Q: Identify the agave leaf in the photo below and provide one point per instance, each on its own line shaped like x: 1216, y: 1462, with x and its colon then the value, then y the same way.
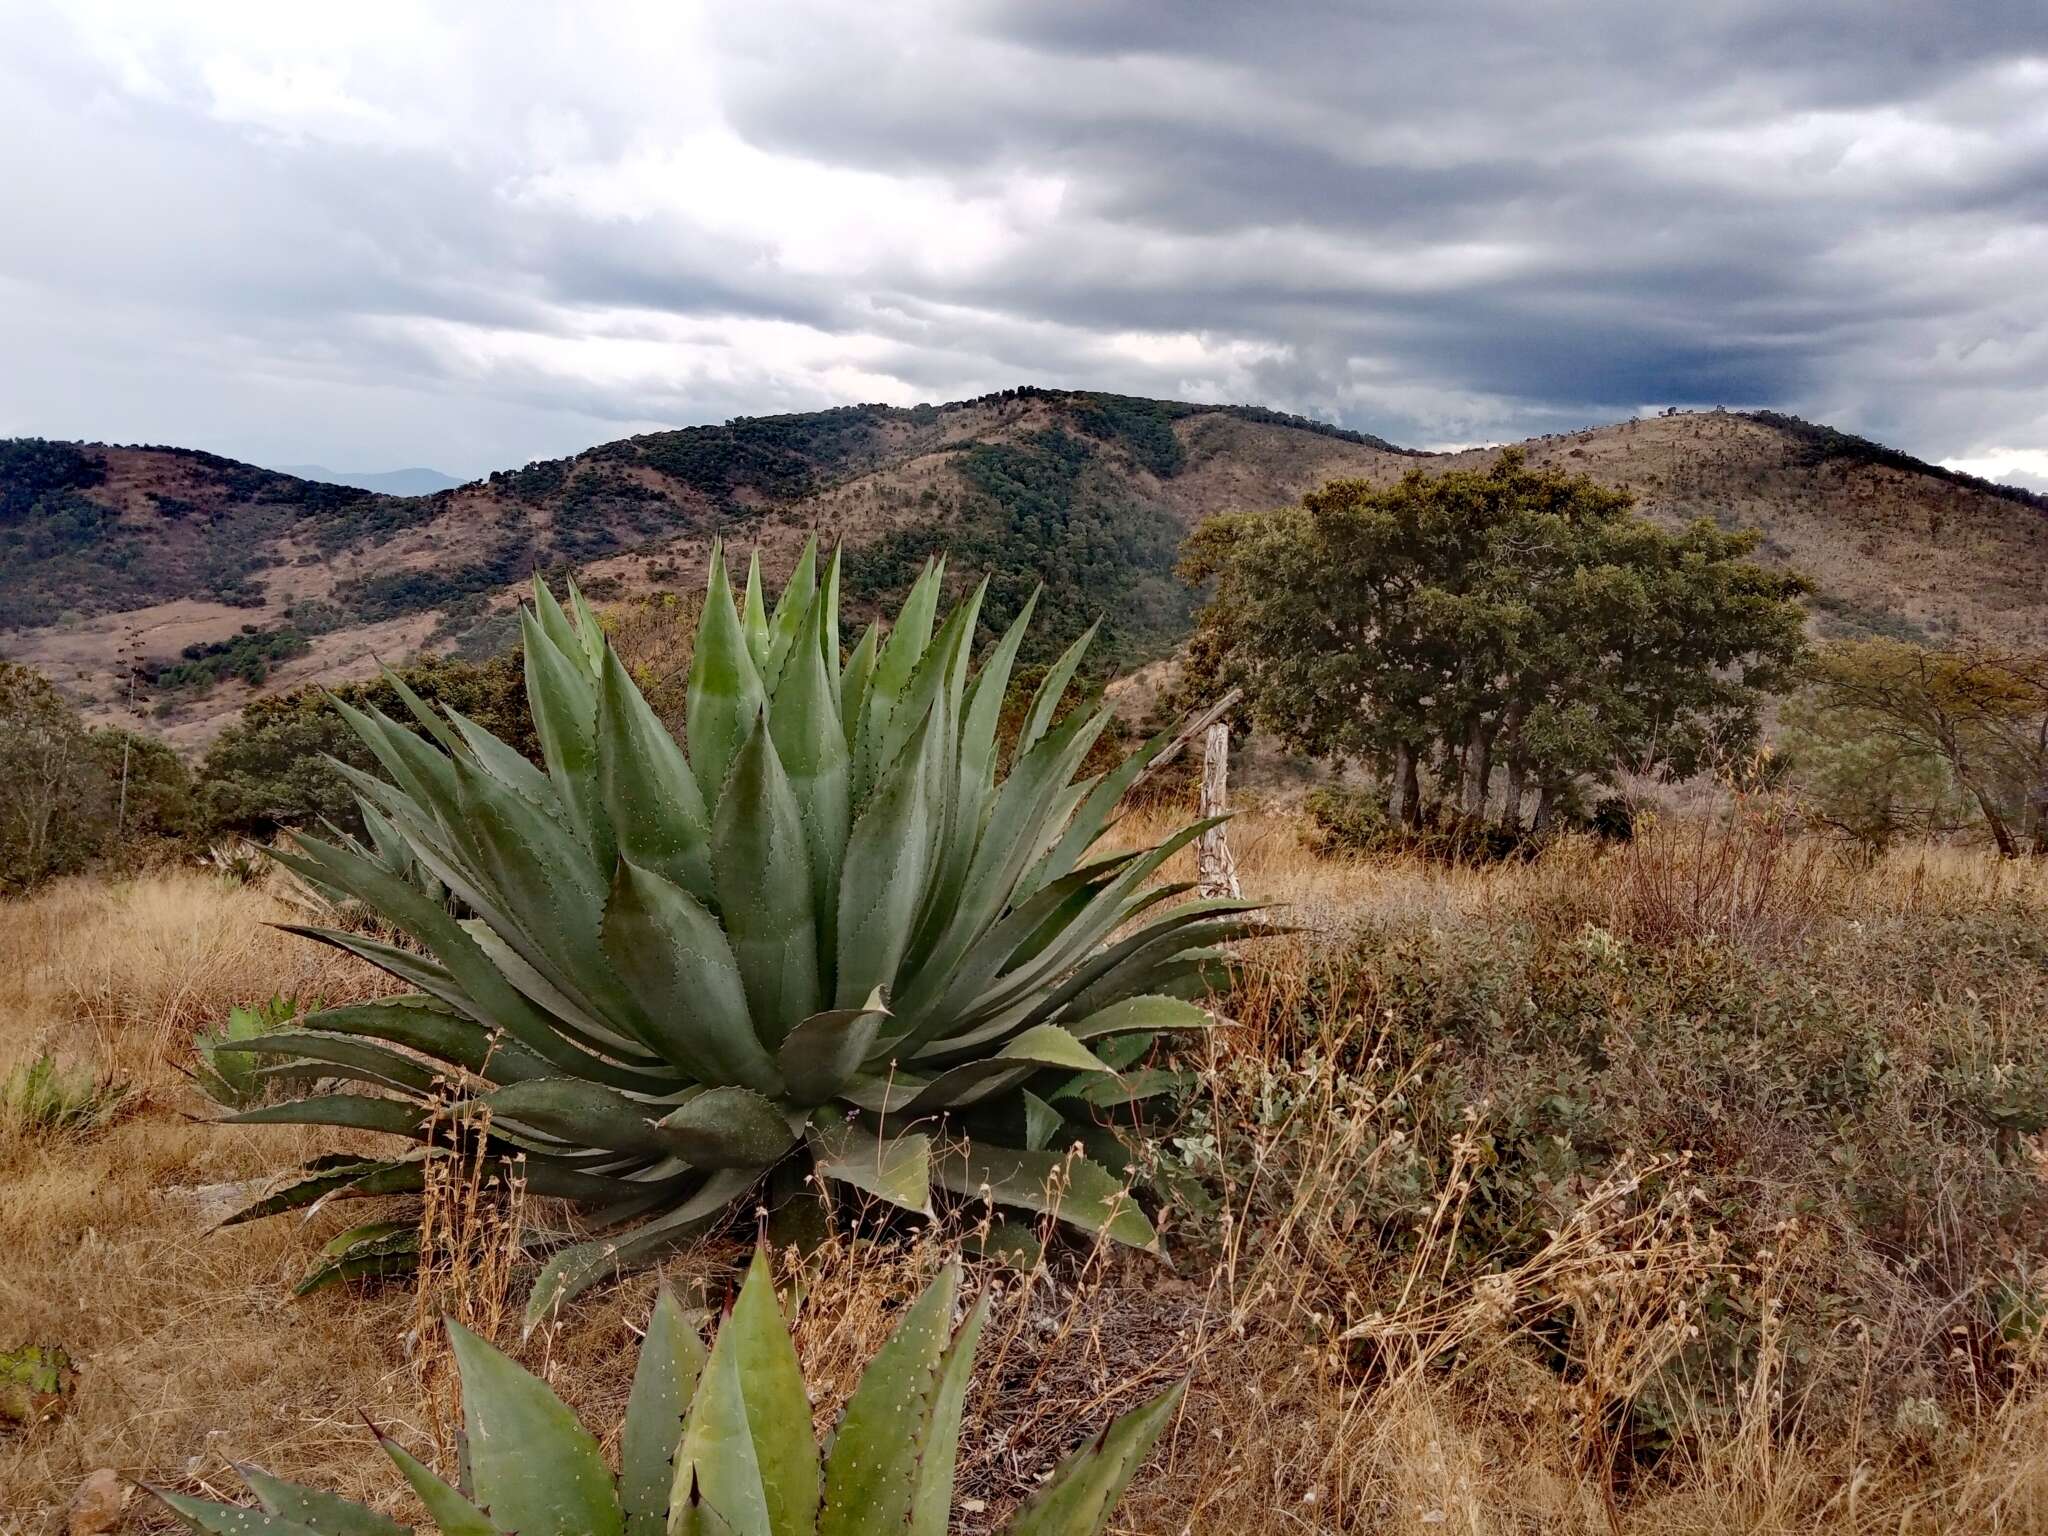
x: 671, y: 1360
x: 828, y: 627
x: 588, y: 630
x: 692, y: 1515
x: 1033, y: 1051
x: 576, y: 1268
x: 651, y: 797
x: 754, y: 616
x: 213, y: 1518
x: 368, y: 1063
x: 1147, y: 1013
x: 1091, y: 820
x: 786, y: 623
x: 1082, y: 1193
x: 761, y: 869
x: 1046, y: 702
x: 327, y: 1513
x: 881, y: 888
x: 892, y: 1168
x: 853, y: 689
x: 564, y: 702
x: 673, y: 956
x: 581, y: 1113
x: 894, y: 665
x: 729, y: 1127
x: 506, y: 764
x: 725, y: 692
x: 360, y: 1112
x: 1132, y: 1087
x: 748, y: 1440
x: 336, y: 1174
x: 871, y: 1472
x: 1078, y: 1500
x: 818, y: 1056
x: 379, y: 1248
x: 452, y: 1514
x: 938, y: 1449
x: 533, y: 1466
x: 1041, y: 1122
x: 422, y: 1024
x: 811, y: 745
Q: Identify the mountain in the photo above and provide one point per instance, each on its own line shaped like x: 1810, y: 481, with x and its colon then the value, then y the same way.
x: 218, y: 578
x: 388, y: 482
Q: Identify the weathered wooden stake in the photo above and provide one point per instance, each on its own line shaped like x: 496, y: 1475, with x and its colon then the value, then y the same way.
x: 1214, y: 866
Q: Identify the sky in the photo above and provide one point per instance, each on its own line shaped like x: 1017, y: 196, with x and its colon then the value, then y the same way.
x: 378, y: 235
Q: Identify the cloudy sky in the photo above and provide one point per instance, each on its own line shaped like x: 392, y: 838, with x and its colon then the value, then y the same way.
x: 466, y: 235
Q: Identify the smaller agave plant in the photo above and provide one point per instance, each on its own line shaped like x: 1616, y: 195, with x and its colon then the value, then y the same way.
x: 745, y: 1462
x: 824, y: 939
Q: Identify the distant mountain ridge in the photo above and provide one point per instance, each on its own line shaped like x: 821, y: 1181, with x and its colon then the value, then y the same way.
x: 263, y: 580
x: 418, y: 481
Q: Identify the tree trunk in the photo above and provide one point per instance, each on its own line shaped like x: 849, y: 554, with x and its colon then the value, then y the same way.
x: 2000, y: 832
x: 1478, y: 767
x: 1511, y: 811
x: 1546, y: 806
x: 1411, y: 788
x: 1214, y: 866
x: 1397, y: 784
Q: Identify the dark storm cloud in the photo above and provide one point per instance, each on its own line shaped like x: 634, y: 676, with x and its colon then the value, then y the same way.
x: 1441, y: 222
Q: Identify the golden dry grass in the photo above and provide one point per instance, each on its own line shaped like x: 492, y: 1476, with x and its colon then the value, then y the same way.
x: 1326, y: 1396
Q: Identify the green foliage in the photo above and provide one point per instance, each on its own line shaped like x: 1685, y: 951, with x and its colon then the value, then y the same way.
x: 36, y: 1383
x: 1502, y: 618
x: 44, y: 1097
x: 1348, y: 821
x: 1047, y: 522
x: 238, y: 1080
x: 1142, y: 428
x: 247, y: 656
x: 62, y: 809
x: 687, y: 971
x: 1822, y: 443
x: 717, y: 1443
x: 271, y: 768
x: 1891, y: 737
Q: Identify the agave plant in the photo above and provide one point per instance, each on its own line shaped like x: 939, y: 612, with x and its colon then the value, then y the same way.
x: 235, y: 1078
x: 793, y: 949
x: 744, y: 1463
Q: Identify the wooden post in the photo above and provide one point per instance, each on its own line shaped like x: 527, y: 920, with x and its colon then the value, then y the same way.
x: 1214, y: 866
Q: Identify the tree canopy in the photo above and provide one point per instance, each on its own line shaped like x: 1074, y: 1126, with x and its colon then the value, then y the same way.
x: 1927, y: 729
x: 1497, y: 619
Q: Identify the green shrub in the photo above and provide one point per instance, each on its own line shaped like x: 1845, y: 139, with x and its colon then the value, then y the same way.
x: 44, y: 1097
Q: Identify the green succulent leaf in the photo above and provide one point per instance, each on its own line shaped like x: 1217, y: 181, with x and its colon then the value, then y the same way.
x: 213, y: 1518
x: 535, y: 1469
x: 747, y: 1444
x: 871, y: 1472
x: 893, y: 1168
x: 727, y: 1127
x: 1078, y: 1500
x: 761, y: 870
x: 822, y: 1053
x: 327, y: 1513
x: 1080, y: 1192
x: 582, y: 1114
x: 725, y: 693
x: 452, y: 1514
x: 671, y: 1360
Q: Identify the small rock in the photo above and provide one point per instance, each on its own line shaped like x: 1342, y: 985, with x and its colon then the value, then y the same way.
x: 100, y: 1503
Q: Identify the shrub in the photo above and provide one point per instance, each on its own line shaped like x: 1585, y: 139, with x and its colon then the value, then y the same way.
x: 45, y: 1097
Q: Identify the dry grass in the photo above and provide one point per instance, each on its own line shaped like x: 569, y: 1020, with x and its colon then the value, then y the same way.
x: 1351, y: 1372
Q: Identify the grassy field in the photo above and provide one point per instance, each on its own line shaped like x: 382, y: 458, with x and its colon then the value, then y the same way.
x: 1698, y: 1185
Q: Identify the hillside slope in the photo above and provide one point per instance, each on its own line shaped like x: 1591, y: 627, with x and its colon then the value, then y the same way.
x: 215, y: 579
